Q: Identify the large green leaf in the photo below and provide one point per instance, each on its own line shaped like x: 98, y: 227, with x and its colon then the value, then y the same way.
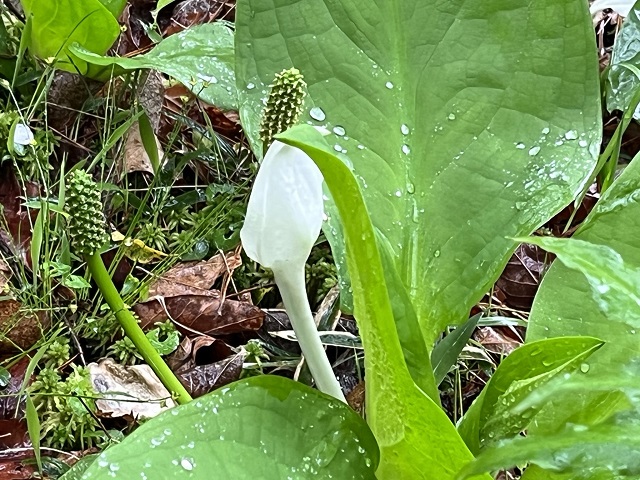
x: 623, y: 79
x: 459, y: 136
x: 416, y: 439
x: 200, y: 57
x: 568, y: 303
x: 594, y: 291
x: 264, y: 427
x: 605, y: 451
x: 56, y: 24
x: 115, y: 7
x: 490, y: 418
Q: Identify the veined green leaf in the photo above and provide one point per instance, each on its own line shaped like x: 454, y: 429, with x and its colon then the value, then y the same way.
x: 56, y: 24
x: 602, y: 304
x: 458, y: 135
x: 491, y: 417
x: 201, y: 58
x: 623, y: 79
x: 265, y: 427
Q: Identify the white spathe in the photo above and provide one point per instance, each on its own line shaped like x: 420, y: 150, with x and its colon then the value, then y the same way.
x: 285, y: 210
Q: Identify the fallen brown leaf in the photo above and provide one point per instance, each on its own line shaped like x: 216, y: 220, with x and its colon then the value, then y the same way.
x: 135, y: 158
x: 203, y: 379
x: 204, y: 314
x: 496, y: 340
x: 198, y: 351
x: 520, y: 279
x: 190, y: 277
x: 20, y: 330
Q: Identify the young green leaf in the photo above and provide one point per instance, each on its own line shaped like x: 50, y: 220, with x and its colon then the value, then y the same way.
x: 623, y: 79
x: 446, y: 352
x: 587, y: 297
x: 491, y: 417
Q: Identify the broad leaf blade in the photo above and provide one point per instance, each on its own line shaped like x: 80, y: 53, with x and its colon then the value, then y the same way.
x: 57, y: 24
x: 414, y: 434
x: 459, y: 136
x: 565, y: 304
x: 491, y: 417
x: 201, y: 58
x: 623, y: 79
x: 600, y: 453
x: 263, y: 427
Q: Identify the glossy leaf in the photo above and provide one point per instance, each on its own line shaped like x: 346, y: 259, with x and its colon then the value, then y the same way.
x: 446, y: 352
x: 603, y: 452
x: 491, y: 417
x: 413, y: 433
x: 200, y: 57
x: 115, y: 7
x: 569, y: 303
x: 623, y: 79
x: 57, y: 24
x: 264, y: 427
x: 459, y: 136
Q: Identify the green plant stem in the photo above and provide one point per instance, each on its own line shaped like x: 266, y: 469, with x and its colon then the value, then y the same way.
x: 133, y: 331
x: 291, y: 284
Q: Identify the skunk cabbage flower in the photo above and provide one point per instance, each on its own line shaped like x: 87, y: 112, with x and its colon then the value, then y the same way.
x: 285, y: 209
x: 283, y: 222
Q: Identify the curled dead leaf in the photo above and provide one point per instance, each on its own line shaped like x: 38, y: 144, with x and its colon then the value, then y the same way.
x: 204, y: 314
x: 190, y: 277
x: 128, y: 391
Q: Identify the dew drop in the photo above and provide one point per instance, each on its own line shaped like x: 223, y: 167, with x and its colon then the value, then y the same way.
x: 452, y: 116
x: 360, y: 147
x: 436, y: 253
x: 186, y: 464
x: 338, y: 130
x: 520, y: 146
x: 404, y: 129
x: 411, y: 188
x: 545, y: 131
x: 534, y: 151
x: 405, y: 149
x: 251, y: 86
x: 337, y: 148
x: 584, y: 368
x: 317, y: 114
x: 389, y: 85
x: 583, y: 143
x: 571, y: 135
x: 398, y: 193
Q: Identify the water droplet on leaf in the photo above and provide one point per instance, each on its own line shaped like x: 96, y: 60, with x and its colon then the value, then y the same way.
x: 317, y: 114
x: 338, y: 130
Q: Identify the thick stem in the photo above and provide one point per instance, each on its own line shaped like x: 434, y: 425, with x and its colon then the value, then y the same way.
x: 133, y: 331
x: 291, y: 284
